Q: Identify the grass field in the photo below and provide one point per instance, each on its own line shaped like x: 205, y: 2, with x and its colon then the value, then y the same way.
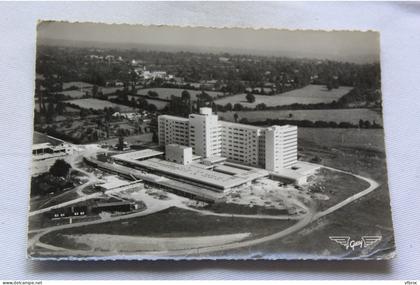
x: 369, y: 215
x: 372, y: 139
x: 72, y: 93
x: 163, y: 224
x: 43, y: 138
x: 335, y: 115
x: 336, y: 185
x: 97, y: 104
x: 310, y: 94
x: 79, y: 84
x: 165, y: 93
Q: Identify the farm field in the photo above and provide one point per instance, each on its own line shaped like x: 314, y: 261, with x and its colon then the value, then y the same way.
x: 109, y: 90
x: 159, y: 104
x: 310, y: 94
x: 97, y: 104
x: 372, y: 139
x: 43, y: 138
x: 79, y: 84
x: 335, y: 115
x: 72, y: 93
x: 165, y: 93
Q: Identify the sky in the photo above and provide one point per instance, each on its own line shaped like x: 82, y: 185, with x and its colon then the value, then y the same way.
x: 352, y: 46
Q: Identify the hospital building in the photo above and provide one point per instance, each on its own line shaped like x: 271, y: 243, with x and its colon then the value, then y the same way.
x: 272, y: 148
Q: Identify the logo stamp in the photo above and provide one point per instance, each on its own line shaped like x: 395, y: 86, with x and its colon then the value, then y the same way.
x: 349, y: 243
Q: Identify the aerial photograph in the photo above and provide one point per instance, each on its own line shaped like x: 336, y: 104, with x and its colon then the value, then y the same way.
x: 165, y: 142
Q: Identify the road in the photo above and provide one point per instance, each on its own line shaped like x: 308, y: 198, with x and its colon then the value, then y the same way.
x: 34, y: 241
x: 304, y: 221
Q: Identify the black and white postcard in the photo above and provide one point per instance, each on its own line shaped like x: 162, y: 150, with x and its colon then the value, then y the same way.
x: 164, y: 142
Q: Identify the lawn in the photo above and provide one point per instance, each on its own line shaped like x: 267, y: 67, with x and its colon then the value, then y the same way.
x: 369, y: 215
x: 337, y: 186
x: 372, y: 139
x: 231, y: 208
x: 43, y: 138
x: 97, y: 104
x: 329, y: 115
x: 310, y: 94
x: 72, y: 93
x: 79, y: 84
x: 171, y: 223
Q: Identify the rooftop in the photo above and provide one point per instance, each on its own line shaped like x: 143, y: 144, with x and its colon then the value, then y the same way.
x: 243, y: 126
x: 113, y: 182
x: 178, y: 146
x: 41, y: 145
x: 300, y: 169
x: 174, y: 118
x: 135, y: 155
x: 198, y: 174
x: 214, y: 159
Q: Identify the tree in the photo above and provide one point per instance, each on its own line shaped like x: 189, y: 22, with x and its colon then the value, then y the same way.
x: 60, y: 108
x: 236, y: 116
x: 133, y: 102
x: 228, y: 107
x: 142, y: 102
x: 50, y: 112
x: 186, y: 98
x: 60, y: 168
x: 185, y: 95
x: 120, y: 145
x: 250, y: 98
x: 83, y: 113
x: 361, y: 123
x: 151, y: 108
x: 155, y: 138
x: 261, y: 106
x: 238, y: 107
x: 95, y: 91
x: 152, y: 93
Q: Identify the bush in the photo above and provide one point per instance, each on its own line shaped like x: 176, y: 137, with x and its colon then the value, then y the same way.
x: 60, y: 168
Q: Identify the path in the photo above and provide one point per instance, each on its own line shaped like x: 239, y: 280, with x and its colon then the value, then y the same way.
x: 308, y: 218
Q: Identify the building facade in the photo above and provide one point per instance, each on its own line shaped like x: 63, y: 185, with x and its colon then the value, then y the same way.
x: 204, y: 133
x: 271, y: 148
x: 178, y: 153
x: 173, y: 130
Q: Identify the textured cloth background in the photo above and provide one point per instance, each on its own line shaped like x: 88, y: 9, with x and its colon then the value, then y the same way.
x: 400, y: 41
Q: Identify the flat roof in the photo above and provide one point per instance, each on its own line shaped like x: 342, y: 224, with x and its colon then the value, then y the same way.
x: 135, y: 155
x: 174, y: 118
x: 303, y: 169
x: 41, y: 146
x: 113, y: 183
x: 229, y: 169
x: 163, y: 181
x: 214, y: 159
x: 242, y: 126
x: 190, y: 172
x: 197, y: 174
x: 178, y: 145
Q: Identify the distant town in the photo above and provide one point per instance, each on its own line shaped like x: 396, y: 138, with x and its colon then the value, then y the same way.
x: 152, y: 153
